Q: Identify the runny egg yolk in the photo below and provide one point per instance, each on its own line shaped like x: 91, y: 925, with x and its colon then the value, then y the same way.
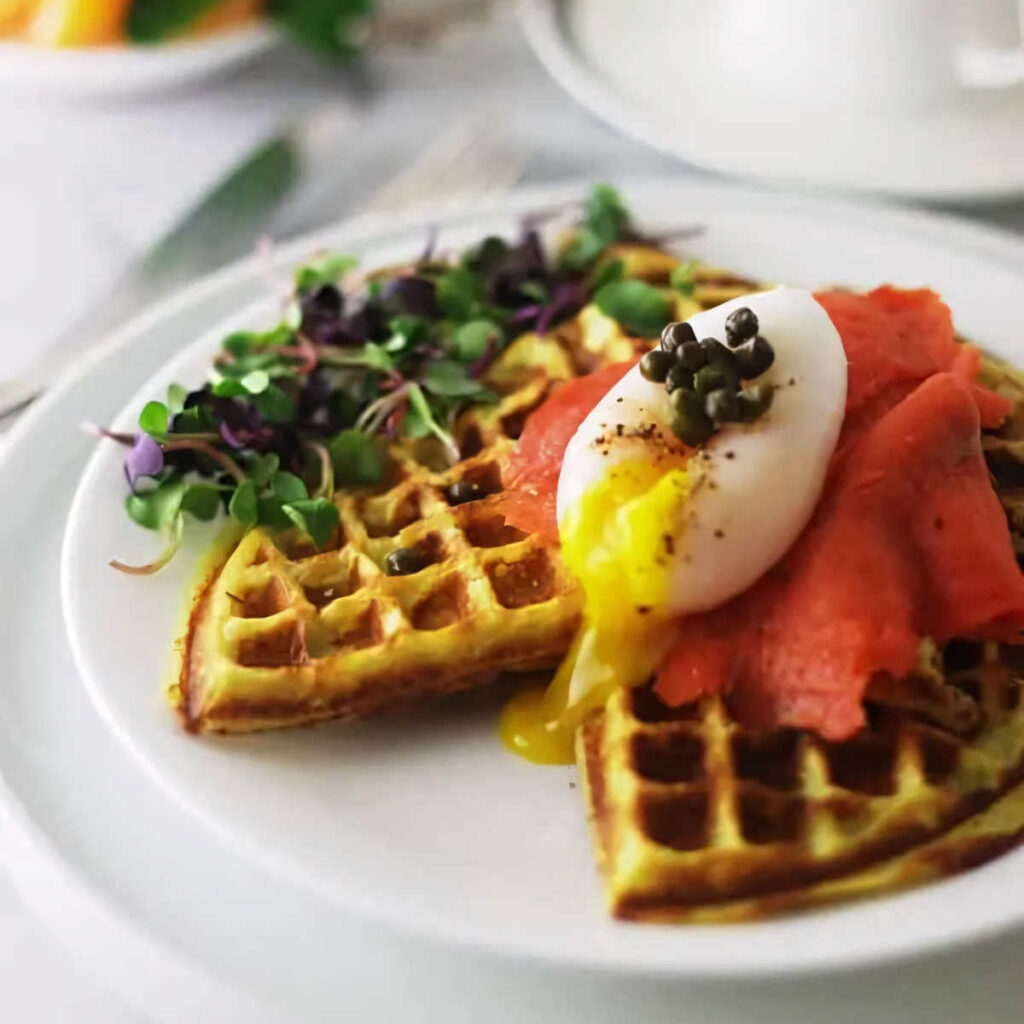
x: 616, y: 541
x: 655, y: 532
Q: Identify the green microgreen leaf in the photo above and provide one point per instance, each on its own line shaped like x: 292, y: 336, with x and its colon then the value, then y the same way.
x: 260, y: 468
x: 274, y: 405
x: 201, y: 501
x: 153, y: 420
x: 470, y: 340
x: 357, y: 458
x: 176, y: 396
x: 158, y: 507
x: 329, y: 267
x: 639, y: 307
x: 316, y: 516
x: 683, y: 279
x: 270, y: 513
x: 420, y: 407
x: 288, y: 487
x: 450, y: 380
x: 608, y: 273
x: 196, y: 420
x: 376, y: 358
x: 605, y: 220
x: 460, y: 293
x: 244, y: 503
x: 406, y: 331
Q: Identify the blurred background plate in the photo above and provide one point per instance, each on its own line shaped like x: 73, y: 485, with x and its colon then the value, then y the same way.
x: 126, y: 71
x: 637, y: 66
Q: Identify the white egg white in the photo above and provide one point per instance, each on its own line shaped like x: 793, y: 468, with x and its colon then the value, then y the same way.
x: 753, y: 486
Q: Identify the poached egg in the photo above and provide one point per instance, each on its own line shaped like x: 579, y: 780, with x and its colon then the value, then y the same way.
x: 655, y: 530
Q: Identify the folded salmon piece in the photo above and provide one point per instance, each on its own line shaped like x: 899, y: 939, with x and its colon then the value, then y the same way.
x: 909, y: 540
x: 531, y: 483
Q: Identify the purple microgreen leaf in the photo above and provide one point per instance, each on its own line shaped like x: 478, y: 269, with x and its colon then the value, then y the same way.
x: 146, y: 458
x: 229, y: 437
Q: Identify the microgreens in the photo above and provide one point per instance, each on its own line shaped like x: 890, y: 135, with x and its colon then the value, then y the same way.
x: 290, y: 413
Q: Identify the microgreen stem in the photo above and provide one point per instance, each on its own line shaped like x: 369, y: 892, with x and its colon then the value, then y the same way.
x: 175, y: 535
x: 326, y: 488
x: 227, y: 463
x: 95, y: 430
x: 418, y: 400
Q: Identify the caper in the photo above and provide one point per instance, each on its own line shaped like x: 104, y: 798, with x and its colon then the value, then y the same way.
x: 462, y: 491
x: 722, y: 406
x: 404, y: 562
x: 679, y: 377
x: 717, y: 354
x: 655, y: 365
x: 754, y: 401
x: 711, y: 378
x: 676, y: 334
x: 690, y: 423
x: 740, y: 324
x: 753, y: 357
x: 691, y: 354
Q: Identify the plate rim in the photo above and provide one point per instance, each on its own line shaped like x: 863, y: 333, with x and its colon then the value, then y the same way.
x: 132, y: 69
x: 543, y: 24
x: 997, y: 244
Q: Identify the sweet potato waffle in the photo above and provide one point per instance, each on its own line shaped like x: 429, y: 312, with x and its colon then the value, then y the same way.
x: 284, y: 635
x: 696, y: 818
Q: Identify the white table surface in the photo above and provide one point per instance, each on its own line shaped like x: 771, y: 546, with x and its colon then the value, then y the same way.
x: 83, y: 187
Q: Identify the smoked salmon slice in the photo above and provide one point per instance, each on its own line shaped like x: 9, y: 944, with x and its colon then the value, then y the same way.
x: 909, y: 540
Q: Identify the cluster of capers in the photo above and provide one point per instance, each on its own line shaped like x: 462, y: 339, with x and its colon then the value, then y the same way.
x: 705, y: 378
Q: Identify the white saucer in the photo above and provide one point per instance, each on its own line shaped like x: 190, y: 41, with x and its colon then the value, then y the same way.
x: 126, y: 71
x: 425, y: 825
x: 968, y: 155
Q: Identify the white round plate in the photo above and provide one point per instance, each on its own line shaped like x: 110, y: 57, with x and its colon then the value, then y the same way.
x: 969, y: 155
x: 127, y: 71
x: 425, y: 823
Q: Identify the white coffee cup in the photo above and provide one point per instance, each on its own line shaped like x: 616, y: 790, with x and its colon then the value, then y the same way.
x: 862, y: 56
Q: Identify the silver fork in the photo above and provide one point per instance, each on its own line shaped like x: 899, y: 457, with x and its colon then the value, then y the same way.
x: 468, y: 158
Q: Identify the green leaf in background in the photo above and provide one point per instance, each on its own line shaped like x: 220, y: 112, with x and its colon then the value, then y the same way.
x: 605, y: 220
x: 153, y: 420
x: 357, y: 458
x: 639, y: 307
x: 153, y: 21
x: 330, y: 267
x: 333, y: 28
x: 316, y: 516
